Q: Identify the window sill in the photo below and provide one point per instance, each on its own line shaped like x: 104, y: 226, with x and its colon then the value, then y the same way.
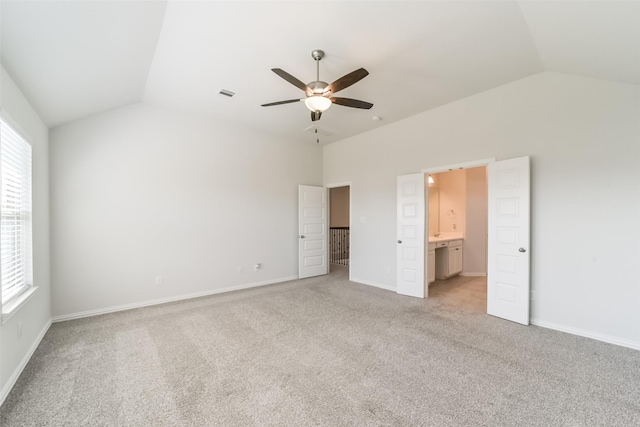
x: 12, y: 307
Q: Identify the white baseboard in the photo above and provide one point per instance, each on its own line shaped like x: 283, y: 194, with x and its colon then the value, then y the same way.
x: 587, y: 334
x: 106, y: 310
x: 471, y: 274
x: 23, y: 363
x: 375, y: 285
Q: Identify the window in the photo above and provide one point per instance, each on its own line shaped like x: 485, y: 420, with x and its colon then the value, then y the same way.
x: 15, y: 214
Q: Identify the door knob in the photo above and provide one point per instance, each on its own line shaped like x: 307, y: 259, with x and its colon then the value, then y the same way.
x: 399, y: 241
x: 522, y: 250
x: 301, y: 236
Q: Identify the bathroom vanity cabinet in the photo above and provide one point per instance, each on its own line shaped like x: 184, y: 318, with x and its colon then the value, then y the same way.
x: 448, y: 259
x: 431, y: 258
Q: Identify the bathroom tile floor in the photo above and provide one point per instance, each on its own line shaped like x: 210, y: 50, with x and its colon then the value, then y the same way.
x: 466, y: 293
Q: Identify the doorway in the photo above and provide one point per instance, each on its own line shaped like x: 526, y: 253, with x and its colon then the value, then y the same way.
x: 508, y: 215
x: 456, y: 227
x: 339, y: 228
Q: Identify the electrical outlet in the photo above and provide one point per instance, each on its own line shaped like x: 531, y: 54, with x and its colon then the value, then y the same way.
x: 20, y: 329
x: 158, y: 280
x: 240, y: 270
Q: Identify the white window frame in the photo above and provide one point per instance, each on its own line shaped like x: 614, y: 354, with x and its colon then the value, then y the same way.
x: 16, y: 246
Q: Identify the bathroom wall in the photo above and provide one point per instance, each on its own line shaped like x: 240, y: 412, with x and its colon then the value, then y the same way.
x: 463, y: 205
x: 433, y: 196
x: 453, y: 185
x: 474, y: 261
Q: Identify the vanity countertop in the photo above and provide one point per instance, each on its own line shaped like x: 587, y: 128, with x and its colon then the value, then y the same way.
x: 445, y: 237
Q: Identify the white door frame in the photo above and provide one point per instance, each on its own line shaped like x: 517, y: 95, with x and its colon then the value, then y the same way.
x: 463, y: 165
x: 336, y: 185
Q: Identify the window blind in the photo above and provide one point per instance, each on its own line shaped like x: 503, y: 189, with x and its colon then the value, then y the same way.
x: 15, y: 213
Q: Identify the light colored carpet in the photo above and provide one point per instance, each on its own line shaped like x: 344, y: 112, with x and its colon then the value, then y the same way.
x: 321, y: 351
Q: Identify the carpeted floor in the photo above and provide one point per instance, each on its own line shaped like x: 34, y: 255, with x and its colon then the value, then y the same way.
x: 326, y: 352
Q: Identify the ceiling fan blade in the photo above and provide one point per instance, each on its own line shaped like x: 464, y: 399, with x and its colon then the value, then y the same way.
x: 355, y: 103
x: 315, y: 115
x: 288, y: 101
x: 346, y: 81
x: 288, y: 77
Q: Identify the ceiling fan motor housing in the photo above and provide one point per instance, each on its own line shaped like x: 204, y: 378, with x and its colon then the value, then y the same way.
x: 317, y: 54
x: 317, y: 88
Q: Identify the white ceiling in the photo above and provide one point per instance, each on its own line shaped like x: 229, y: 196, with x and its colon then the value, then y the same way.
x: 74, y: 59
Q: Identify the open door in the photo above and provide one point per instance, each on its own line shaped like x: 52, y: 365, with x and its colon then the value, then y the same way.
x: 312, y: 231
x: 410, y: 250
x: 508, y: 257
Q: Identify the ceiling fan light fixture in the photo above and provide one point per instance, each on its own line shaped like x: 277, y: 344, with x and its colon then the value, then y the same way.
x: 319, y: 94
x: 317, y: 103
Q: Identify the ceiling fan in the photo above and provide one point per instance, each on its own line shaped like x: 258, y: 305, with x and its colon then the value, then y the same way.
x: 319, y: 95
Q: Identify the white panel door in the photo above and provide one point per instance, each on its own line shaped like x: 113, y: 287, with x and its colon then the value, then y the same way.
x: 410, y: 250
x: 312, y: 231
x: 508, y: 257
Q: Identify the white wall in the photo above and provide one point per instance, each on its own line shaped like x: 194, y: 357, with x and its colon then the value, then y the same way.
x: 475, y: 237
x: 142, y: 191
x: 339, y: 206
x: 35, y: 315
x: 583, y: 138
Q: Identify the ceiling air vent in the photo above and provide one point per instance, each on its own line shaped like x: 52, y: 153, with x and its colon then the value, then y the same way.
x: 227, y: 93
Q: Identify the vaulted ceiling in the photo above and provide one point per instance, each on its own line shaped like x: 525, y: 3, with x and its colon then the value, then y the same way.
x: 75, y: 59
